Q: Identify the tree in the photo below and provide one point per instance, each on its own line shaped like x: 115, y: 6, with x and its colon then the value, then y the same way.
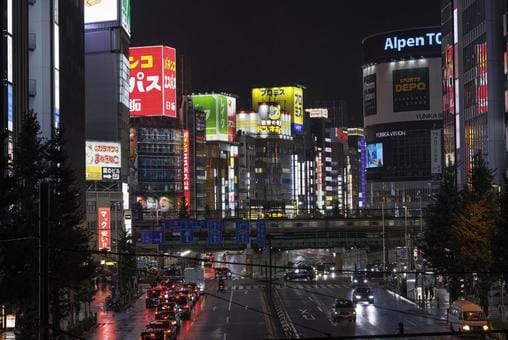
x: 501, y: 238
x: 473, y: 229
x: 19, y: 286
x: 127, y: 266
x: 183, y: 208
x: 70, y: 262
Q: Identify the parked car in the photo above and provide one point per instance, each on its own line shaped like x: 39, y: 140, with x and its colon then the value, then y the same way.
x: 343, y: 309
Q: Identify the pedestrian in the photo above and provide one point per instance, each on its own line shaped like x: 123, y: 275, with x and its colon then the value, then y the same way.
x: 426, y: 293
x: 431, y: 291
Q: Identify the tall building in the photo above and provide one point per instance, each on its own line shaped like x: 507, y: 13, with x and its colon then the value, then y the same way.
x: 107, y: 39
x: 475, y: 105
x: 42, y: 70
x: 402, y: 118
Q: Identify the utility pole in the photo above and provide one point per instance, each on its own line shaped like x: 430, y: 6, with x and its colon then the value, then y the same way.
x: 45, y: 189
x: 384, y: 242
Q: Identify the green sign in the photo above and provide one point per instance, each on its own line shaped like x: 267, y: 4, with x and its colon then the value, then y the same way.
x: 216, y: 109
x: 126, y: 16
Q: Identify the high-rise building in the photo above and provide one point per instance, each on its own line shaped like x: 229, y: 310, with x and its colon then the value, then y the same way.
x: 107, y: 39
x: 402, y: 118
x: 475, y: 106
x: 42, y: 70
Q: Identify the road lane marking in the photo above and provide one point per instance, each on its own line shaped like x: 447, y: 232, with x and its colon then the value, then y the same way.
x: 227, y: 319
x: 224, y: 336
x: 319, y: 308
x: 214, y: 308
x: 411, y: 322
x: 229, y: 307
x: 309, y: 297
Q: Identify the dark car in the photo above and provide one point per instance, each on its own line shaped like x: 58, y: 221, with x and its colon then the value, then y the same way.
x: 167, y: 326
x: 363, y: 294
x: 222, y: 273
x: 170, y: 316
x: 299, y: 274
x: 359, y: 279
x: 184, y: 306
x: 343, y: 309
x: 154, y: 334
x: 153, y: 298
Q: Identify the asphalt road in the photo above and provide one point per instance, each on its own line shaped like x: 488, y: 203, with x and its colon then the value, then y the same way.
x: 237, y: 313
x: 308, y: 305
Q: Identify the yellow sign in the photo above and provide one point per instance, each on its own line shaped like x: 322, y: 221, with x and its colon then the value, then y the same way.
x: 290, y: 99
x: 93, y: 173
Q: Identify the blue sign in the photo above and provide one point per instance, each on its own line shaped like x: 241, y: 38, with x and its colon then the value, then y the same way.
x: 214, y: 232
x: 261, y: 232
x: 186, y: 233
x: 177, y: 224
x: 152, y: 237
x: 242, y: 233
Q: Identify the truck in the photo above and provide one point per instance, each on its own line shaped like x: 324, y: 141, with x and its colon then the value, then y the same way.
x: 195, y: 275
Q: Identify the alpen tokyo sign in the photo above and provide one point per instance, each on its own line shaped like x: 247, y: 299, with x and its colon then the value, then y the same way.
x: 427, y: 39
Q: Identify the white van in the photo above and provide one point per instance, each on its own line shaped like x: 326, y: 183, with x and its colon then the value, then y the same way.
x: 465, y: 316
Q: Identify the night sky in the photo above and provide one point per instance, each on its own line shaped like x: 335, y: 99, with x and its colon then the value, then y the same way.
x: 237, y: 45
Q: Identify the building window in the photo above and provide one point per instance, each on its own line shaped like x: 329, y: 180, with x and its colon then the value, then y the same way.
x: 91, y: 206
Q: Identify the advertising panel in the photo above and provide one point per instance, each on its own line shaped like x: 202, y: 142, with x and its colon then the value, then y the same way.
x: 406, y: 91
x: 216, y: 109
x: 482, y: 94
x: 186, y: 167
x: 290, y: 99
x: 231, y: 119
x: 318, y: 113
x: 152, y: 84
x: 100, y: 10
x: 374, y: 155
x: 435, y: 152
x: 10, y: 118
x: 104, y: 228
x: 411, y: 89
x: 126, y: 16
x: 369, y: 93
x: 103, y: 161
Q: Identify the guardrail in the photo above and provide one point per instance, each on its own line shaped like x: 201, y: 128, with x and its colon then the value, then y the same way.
x: 286, y: 324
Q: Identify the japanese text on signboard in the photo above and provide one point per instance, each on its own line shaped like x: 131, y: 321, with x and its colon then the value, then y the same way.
x: 152, y: 83
x: 104, y: 228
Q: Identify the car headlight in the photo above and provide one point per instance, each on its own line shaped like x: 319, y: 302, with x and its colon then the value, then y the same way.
x: 358, y: 296
x: 485, y: 327
x: 365, y: 281
x: 466, y: 327
x: 354, y: 312
x: 371, y: 296
x: 355, y: 281
x: 336, y: 313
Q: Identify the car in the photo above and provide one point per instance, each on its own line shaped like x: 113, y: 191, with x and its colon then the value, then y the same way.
x: 363, y: 294
x: 170, y: 316
x: 154, y: 334
x: 160, y: 329
x: 184, y: 306
x: 299, y: 274
x: 153, y: 298
x: 343, y: 309
x: 222, y: 273
x: 359, y: 279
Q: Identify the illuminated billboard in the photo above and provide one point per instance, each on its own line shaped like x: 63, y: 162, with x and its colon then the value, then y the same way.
x: 290, y: 99
x: 152, y: 84
x: 186, y: 167
x: 411, y: 89
x: 103, y: 161
x: 126, y: 16
x: 219, y: 110
x: 231, y: 118
x: 272, y: 121
x: 104, y: 228
x: 374, y: 155
x: 100, y: 11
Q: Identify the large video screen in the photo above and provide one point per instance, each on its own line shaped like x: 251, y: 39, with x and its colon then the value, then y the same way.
x: 374, y: 155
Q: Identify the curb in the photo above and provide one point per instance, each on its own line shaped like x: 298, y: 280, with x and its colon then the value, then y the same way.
x: 403, y: 298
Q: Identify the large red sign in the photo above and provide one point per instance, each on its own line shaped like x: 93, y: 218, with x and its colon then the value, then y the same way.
x: 152, y: 85
x: 186, y: 167
x: 104, y: 228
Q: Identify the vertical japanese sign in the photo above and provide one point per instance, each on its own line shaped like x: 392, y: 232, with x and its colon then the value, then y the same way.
x: 435, y: 152
x: 482, y: 94
x: 214, y: 232
x: 186, y: 167
x: 242, y: 232
x: 231, y: 118
x: 261, y: 232
x: 104, y: 228
x: 152, y: 83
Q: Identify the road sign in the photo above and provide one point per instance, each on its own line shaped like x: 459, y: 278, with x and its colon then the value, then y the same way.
x: 242, y: 233
x: 186, y: 233
x: 152, y: 237
x: 214, y: 232
x: 261, y: 232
